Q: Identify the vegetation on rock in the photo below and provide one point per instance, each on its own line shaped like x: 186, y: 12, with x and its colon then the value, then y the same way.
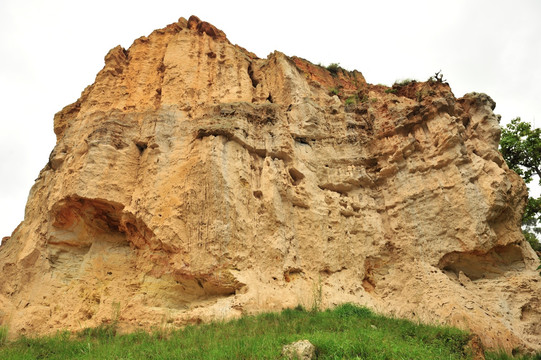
x: 333, y: 68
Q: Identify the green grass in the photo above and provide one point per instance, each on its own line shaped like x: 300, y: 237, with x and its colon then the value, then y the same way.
x: 347, y: 332
x: 500, y: 355
x: 3, y: 335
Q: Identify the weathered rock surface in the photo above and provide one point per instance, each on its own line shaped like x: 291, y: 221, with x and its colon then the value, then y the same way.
x: 194, y: 181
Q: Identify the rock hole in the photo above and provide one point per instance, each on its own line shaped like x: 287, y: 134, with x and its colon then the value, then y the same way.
x: 477, y: 265
x: 292, y: 273
x: 325, y: 271
x: 296, y: 176
x: 269, y: 98
x: 301, y: 140
x: 141, y: 146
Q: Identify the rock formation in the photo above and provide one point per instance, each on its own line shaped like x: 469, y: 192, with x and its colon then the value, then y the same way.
x: 194, y: 181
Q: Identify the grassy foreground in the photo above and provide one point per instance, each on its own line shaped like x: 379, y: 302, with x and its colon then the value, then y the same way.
x: 347, y: 332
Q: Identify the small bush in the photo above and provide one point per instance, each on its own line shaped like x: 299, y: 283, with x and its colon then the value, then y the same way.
x: 364, y: 99
x: 333, y: 68
x: 403, y: 82
x: 333, y: 91
x: 352, y: 100
x: 391, y: 91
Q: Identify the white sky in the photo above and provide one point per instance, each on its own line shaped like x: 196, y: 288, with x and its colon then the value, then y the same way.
x: 51, y: 50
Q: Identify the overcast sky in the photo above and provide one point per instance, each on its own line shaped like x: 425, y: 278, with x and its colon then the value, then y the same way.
x: 51, y: 50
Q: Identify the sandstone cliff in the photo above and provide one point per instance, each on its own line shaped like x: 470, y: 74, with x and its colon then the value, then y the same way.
x: 194, y: 181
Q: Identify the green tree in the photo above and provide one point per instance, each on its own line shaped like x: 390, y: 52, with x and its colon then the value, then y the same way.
x: 520, y: 145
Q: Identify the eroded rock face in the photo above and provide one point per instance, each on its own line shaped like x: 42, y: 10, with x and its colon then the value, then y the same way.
x: 194, y: 181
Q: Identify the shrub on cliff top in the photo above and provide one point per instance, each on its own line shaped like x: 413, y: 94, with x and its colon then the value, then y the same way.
x: 333, y: 68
